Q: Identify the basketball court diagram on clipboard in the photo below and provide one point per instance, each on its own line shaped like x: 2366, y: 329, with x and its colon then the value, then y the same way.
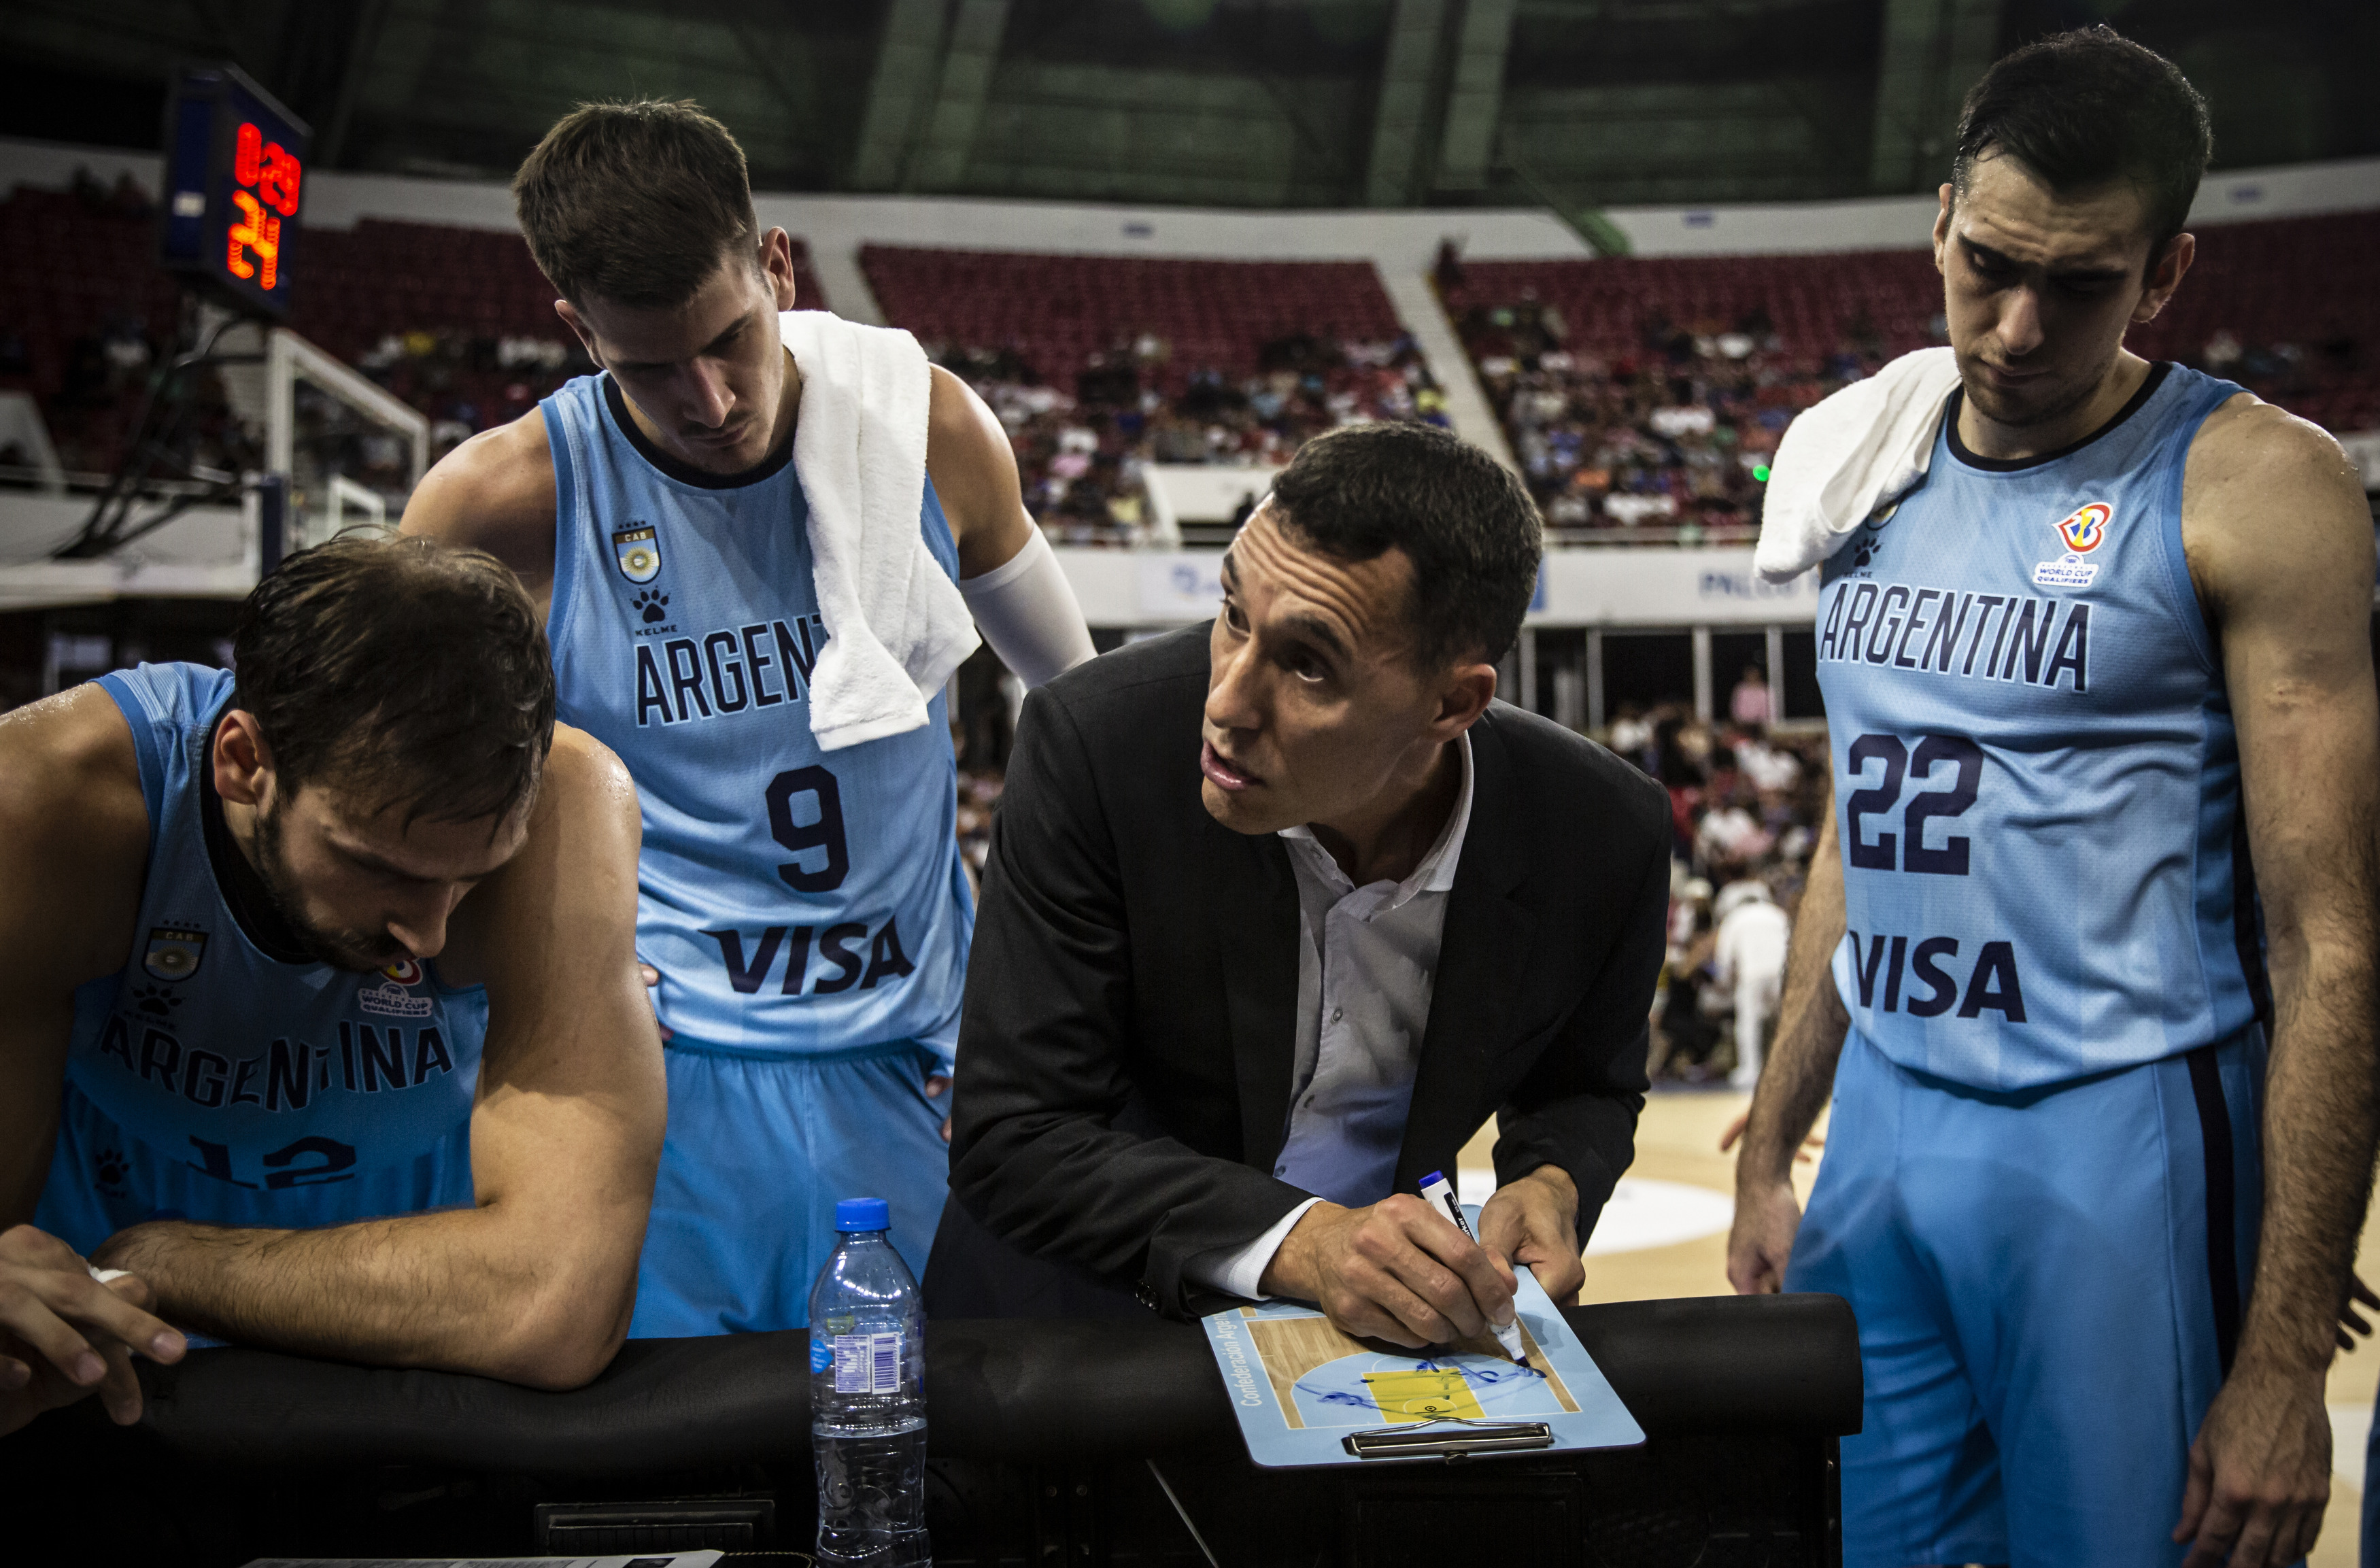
x: 1302, y: 1389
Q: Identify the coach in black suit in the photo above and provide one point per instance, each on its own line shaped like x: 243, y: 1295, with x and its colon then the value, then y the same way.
x: 1201, y: 1053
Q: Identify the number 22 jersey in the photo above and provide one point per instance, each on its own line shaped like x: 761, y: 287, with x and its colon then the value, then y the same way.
x: 2036, y: 779
x: 796, y: 901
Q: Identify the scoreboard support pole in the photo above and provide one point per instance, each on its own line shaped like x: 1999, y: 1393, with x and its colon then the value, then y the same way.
x: 272, y: 521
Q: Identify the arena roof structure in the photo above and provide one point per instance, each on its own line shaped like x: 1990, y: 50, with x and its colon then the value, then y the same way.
x: 1572, y: 104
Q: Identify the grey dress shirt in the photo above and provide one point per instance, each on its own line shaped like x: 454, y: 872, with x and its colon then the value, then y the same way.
x: 1366, y: 957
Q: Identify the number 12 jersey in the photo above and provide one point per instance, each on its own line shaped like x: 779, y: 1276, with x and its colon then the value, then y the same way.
x: 796, y: 901
x: 2036, y: 780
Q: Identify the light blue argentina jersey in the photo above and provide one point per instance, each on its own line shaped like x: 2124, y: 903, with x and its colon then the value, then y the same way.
x: 253, y: 1087
x: 794, y: 900
x: 2045, y: 868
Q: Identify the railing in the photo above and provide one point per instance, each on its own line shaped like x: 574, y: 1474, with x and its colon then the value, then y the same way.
x: 1686, y: 536
x: 1195, y: 536
x: 22, y: 476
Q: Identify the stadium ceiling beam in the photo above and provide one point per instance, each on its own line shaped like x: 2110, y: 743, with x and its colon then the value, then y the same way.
x: 323, y: 62
x: 1933, y: 51
x: 1477, y: 97
x: 906, y: 65
x: 1408, y: 80
x: 1329, y: 154
x: 763, y: 52
x: 940, y: 162
x: 233, y: 39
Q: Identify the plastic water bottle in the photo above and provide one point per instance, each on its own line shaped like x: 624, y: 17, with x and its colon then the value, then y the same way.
x: 868, y: 1399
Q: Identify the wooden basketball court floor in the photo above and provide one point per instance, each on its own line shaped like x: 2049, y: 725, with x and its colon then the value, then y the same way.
x: 1677, y: 1141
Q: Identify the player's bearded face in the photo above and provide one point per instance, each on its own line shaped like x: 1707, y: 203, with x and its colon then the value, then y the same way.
x: 2038, y: 289
x: 1315, y: 710
x: 363, y: 891
x: 343, y: 948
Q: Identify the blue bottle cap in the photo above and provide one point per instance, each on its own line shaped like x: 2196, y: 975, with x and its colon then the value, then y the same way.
x: 1433, y: 1177
x: 863, y: 1214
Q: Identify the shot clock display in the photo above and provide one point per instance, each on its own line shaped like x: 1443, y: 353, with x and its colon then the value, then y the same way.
x: 235, y: 183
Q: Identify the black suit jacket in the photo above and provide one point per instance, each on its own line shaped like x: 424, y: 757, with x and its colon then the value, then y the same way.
x: 1129, y: 1033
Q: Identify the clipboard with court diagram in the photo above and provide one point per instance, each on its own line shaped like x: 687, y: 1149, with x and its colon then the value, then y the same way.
x: 1307, y: 1393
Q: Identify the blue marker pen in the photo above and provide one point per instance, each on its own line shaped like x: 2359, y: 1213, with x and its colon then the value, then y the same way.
x: 1436, y: 1189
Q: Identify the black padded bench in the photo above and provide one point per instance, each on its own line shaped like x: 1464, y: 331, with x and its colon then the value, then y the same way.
x: 1085, y: 1444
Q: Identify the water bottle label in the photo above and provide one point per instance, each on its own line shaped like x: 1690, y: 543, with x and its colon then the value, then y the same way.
x: 822, y: 1353
x: 868, y: 1363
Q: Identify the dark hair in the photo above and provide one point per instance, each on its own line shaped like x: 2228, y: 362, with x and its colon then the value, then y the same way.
x: 1466, y: 522
x: 398, y: 671
x: 2083, y: 108
x: 634, y: 202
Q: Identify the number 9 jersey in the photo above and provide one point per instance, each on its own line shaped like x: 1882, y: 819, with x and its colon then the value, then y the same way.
x: 2037, y: 784
x: 798, y: 902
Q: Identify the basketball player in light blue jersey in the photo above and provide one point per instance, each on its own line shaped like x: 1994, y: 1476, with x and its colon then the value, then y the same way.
x: 2103, y: 1122
x: 804, y: 909
x: 318, y: 1003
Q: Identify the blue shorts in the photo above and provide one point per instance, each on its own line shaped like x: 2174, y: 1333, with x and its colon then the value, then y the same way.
x: 758, y: 1150
x: 2370, y: 1553
x: 2048, y: 1286
x: 100, y: 1181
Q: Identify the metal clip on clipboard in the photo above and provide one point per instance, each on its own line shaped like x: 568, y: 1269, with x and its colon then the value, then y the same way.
x: 1417, y: 1441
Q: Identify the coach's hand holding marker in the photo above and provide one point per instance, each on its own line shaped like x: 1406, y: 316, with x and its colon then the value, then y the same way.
x: 1437, y: 1190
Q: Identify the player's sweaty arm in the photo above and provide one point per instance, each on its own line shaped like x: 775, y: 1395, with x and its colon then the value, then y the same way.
x: 495, y: 492
x: 1014, y: 587
x: 1795, y: 1081
x: 535, y: 1283
x: 78, y: 834
x: 2281, y: 546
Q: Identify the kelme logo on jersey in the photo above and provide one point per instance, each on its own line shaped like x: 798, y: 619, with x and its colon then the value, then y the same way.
x: 393, y: 997
x: 639, y: 550
x: 2081, y: 530
x: 174, y: 952
x: 1870, y: 534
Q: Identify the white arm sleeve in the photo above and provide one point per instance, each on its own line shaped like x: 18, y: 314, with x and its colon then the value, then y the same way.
x: 1026, y: 609
x: 1240, y: 1272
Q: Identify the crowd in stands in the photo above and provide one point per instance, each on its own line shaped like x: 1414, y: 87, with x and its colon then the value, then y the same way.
x: 2285, y: 307
x: 1080, y: 454
x: 1099, y: 366
x: 1746, y: 803
x: 1649, y: 395
x: 1643, y: 398
x: 86, y: 314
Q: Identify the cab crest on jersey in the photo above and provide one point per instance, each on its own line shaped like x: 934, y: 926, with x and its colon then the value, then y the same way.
x: 174, y: 952
x: 2081, y: 530
x: 639, y: 550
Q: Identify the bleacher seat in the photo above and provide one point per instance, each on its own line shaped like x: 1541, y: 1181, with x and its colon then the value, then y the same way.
x: 1055, y: 311
x: 2278, y: 281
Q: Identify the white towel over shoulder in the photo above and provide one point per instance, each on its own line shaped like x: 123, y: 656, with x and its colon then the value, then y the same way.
x: 1862, y: 448
x: 896, y: 625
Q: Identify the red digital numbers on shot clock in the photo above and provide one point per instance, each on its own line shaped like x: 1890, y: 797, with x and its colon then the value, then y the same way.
x: 267, y: 177
x: 231, y: 223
